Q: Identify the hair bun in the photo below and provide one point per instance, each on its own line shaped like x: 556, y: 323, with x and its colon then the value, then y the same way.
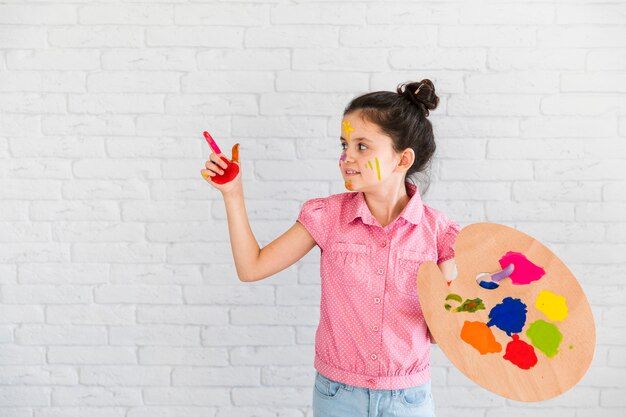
x: 421, y: 93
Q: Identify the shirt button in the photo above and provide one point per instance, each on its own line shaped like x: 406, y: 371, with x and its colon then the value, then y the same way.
x: 373, y: 356
x: 377, y: 300
x: 383, y: 244
x: 380, y: 272
x: 375, y: 328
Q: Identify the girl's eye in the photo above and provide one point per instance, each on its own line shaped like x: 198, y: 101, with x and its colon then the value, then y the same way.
x: 344, y: 146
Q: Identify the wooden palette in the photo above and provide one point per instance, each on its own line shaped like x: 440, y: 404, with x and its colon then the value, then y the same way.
x: 478, y: 249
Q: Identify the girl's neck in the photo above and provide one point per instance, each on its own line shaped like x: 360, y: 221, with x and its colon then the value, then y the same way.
x: 387, y: 202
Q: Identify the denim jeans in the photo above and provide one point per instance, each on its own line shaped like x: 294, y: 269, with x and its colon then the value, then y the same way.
x: 336, y: 399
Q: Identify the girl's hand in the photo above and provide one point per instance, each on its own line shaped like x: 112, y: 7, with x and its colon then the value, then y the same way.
x: 215, y: 168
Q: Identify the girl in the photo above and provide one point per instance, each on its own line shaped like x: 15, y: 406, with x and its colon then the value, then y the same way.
x: 372, y: 345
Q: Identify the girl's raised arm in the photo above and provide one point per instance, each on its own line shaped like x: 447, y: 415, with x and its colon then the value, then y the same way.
x: 253, y: 263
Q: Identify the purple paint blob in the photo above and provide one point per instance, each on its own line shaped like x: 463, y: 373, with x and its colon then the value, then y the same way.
x: 505, y: 273
x: 524, y: 271
x: 509, y: 316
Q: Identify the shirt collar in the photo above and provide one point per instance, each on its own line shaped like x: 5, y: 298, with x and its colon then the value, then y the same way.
x: 357, y: 207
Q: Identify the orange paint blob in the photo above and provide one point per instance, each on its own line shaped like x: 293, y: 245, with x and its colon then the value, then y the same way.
x: 480, y: 336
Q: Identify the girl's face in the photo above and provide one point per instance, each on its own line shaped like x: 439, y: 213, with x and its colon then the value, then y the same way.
x: 368, y: 159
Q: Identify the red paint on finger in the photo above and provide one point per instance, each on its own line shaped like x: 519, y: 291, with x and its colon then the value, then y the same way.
x: 212, y: 143
x: 232, y: 168
x: 230, y: 172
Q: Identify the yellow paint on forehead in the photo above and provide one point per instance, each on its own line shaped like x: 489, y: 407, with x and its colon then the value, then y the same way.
x: 346, y: 129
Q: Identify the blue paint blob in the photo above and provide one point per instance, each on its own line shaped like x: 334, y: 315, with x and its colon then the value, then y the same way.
x: 509, y: 316
x: 489, y: 285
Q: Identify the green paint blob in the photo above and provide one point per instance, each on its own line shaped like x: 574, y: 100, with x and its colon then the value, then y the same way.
x: 545, y: 336
x: 454, y: 297
x: 471, y: 306
x: 571, y: 347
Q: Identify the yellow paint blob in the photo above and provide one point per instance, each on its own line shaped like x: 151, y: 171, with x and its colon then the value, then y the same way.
x: 552, y: 305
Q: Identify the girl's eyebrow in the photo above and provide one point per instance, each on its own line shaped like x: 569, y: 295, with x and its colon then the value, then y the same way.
x: 362, y: 138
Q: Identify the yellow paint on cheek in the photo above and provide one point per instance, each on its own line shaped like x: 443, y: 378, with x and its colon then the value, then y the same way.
x: 369, y: 163
x: 377, y: 168
x: 552, y: 305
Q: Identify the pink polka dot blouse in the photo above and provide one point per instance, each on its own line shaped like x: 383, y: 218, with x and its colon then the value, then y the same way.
x: 372, y: 332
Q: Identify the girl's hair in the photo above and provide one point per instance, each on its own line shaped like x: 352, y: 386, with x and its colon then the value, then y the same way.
x: 402, y: 115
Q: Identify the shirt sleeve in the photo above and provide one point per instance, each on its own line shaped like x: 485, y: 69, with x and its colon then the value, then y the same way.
x: 445, y: 242
x: 313, y: 218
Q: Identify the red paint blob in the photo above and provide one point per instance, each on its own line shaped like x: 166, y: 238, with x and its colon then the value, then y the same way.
x: 229, y: 174
x: 520, y: 353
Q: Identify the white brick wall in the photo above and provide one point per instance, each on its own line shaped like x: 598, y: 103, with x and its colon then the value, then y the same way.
x: 118, y: 296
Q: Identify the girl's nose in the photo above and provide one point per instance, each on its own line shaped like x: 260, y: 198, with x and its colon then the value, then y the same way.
x: 347, y: 155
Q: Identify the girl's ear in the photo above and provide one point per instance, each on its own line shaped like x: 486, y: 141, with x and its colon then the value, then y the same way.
x: 407, y: 157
